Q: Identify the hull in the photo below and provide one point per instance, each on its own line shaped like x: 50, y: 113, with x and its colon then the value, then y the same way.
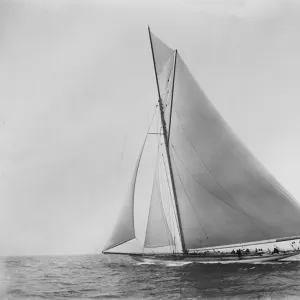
x: 225, y: 259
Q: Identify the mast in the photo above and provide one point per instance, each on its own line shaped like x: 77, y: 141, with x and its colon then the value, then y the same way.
x: 166, y: 137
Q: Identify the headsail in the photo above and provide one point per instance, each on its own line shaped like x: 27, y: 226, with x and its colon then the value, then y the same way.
x: 225, y: 195
x: 124, y: 230
x: 158, y: 233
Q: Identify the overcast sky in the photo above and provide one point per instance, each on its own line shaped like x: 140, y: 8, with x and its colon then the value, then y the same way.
x: 75, y: 76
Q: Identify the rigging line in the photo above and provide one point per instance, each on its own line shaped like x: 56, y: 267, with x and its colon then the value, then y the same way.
x: 162, y: 203
x: 140, y: 157
x: 163, y: 212
x: 149, y: 126
x: 171, y: 80
x: 167, y: 176
x: 228, y: 194
x: 168, y: 97
x: 269, y: 178
x: 167, y: 85
x: 222, y: 200
x: 156, y: 105
x: 169, y: 202
x: 159, y: 137
x: 185, y: 191
x: 173, y: 205
x: 160, y: 130
x: 166, y: 92
x: 164, y: 127
x: 162, y: 187
x: 151, y: 197
x: 166, y: 202
x: 170, y: 86
x: 172, y: 96
x: 170, y: 210
x: 206, y: 167
x: 168, y: 207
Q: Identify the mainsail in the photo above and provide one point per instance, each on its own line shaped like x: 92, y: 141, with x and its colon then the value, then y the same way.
x: 225, y: 195
x: 221, y: 193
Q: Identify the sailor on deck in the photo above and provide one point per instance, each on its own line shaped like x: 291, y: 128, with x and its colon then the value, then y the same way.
x: 239, y: 253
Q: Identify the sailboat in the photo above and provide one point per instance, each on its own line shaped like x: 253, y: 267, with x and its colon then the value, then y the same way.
x: 209, y: 192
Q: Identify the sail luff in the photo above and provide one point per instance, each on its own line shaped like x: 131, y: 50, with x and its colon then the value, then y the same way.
x: 166, y: 139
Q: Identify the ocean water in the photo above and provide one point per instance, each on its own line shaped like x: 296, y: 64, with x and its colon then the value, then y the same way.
x: 110, y: 277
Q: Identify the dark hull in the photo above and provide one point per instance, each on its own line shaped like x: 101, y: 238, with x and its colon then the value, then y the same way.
x: 225, y: 258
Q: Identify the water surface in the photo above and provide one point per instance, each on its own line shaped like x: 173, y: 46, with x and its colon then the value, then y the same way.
x: 110, y: 277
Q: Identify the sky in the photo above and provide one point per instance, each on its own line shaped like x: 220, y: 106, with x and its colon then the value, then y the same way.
x: 77, y: 92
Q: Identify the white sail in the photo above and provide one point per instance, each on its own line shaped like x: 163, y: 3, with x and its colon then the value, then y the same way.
x: 225, y: 195
x: 158, y: 233
x: 163, y: 57
x: 124, y: 230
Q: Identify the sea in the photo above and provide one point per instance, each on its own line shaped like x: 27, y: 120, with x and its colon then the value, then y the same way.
x: 113, y: 277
